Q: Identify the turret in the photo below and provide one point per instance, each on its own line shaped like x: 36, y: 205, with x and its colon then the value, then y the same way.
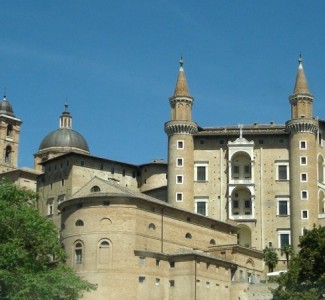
x: 180, y: 132
x: 303, y: 128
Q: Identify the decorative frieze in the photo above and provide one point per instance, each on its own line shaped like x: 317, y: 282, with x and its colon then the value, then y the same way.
x: 179, y: 127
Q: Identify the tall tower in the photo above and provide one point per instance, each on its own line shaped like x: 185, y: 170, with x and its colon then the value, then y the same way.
x: 180, y: 130
x: 9, y: 137
x: 303, y: 128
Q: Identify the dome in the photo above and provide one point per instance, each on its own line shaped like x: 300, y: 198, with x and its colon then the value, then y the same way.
x: 6, y: 108
x: 64, y: 138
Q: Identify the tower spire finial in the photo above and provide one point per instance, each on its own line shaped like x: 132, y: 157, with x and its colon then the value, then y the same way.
x: 301, y: 85
x: 181, y: 88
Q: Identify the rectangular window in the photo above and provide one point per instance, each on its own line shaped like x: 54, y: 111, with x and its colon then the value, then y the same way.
x: 179, y: 162
x: 179, y: 196
x: 236, y: 203
x: 303, y: 145
x: 50, y: 207
x: 180, y: 144
x: 172, y: 264
x: 179, y: 179
x: 142, y: 260
x: 235, y: 169
x: 284, y: 238
x: 201, y: 207
x: 201, y: 173
x: 171, y: 283
x: 247, y: 169
x: 303, y: 177
x: 157, y: 281
x: 247, y: 203
x: 304, y: 195
x: 304, y: 214
x: 283, y: 208
x: 142, y: 279
x: 78, y: 256
x: 61, y: 198
x: 303, y: 160
x: 282, y: 172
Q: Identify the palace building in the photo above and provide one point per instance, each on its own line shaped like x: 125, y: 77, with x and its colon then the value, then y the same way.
x: 193, y: 227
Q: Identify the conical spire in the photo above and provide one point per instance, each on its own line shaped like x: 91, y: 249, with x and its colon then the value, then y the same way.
x: 181, y: 88
x: 301, y: 85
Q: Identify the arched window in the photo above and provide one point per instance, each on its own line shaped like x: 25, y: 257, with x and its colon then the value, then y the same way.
x: 9, y: 130
x: 80, y: 223
x: 188, y: 236
x: 212, y: 242
x: 152, y: 226
x: 104, y: 244
x: 8, y: 154
x: 95, y: 189
x: 78, y: 252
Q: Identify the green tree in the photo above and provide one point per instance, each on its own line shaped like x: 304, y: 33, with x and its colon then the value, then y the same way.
x: 270, y: 257
x: 305, y: 278
x: 32, y: 261
x: 288, y: 252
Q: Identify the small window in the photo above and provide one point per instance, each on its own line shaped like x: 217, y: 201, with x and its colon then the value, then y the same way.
x: 104, y: 244
x: 172, y: 264
x: 179, y: 179
x: 304, y: 214
x: 157, y: 262
x: 180, y: 144
x: 171, y: 283
x: 142, y: 260
x: 112, y: 170
x: 179, y: 162
x: 212, y: 242
x: 157, y: 281
x: 235, y: 169
x: 303, y: 145
x: 304, y: 195
x: 248, y: 203
x: 95, y: 189
x: 188, y: 236
x: 303, y: 160
x: 142, y: 279
x: 152, y: 226
x: 9, y: 130
x: 123, y: 172
x: 207, y: 284
x: 179, y: 197
x: 62, y: 182
x: 8, y: 153
x: 303, y: 177
x: 82, y: 163
x: 79, y: 223
x: 236, y: 203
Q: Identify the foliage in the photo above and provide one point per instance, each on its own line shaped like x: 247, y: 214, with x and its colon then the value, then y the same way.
x: 270, y: 257
x: 31, y: 257
x: 305, y: 278
x: 288, y: 252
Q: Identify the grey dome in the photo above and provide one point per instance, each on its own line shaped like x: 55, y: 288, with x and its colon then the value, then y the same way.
x: 64, y: 138
x: 6, y: 108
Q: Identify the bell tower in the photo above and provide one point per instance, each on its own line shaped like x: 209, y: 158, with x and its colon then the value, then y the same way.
x: 9, y: 137
x: 180, y: 130
x: 303, y: 128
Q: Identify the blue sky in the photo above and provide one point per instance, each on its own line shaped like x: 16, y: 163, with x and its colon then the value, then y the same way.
x: 116, y: 64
